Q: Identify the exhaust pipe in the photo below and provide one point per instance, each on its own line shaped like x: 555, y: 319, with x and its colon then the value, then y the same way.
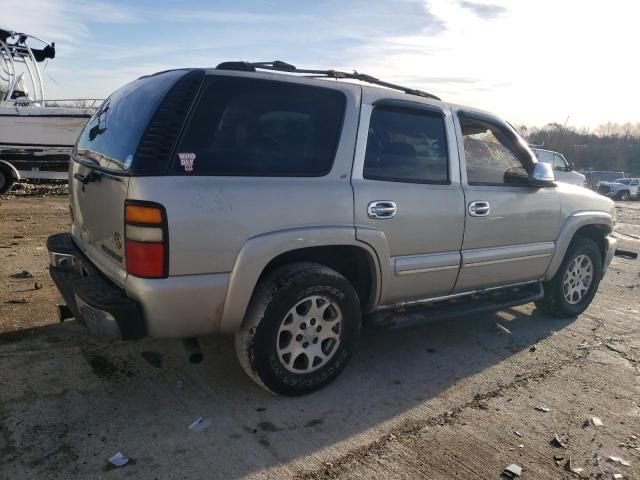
x: 192, y: 349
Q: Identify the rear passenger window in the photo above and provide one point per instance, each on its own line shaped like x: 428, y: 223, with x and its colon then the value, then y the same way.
x: 248, y: 127
x: 406, y: 145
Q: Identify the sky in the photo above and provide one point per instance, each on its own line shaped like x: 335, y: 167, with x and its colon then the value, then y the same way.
x: 531, y: 62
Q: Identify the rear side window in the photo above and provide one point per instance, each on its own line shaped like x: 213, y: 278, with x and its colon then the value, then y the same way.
x: 112, y: 135
x: 246, y: 127
x: 406, y: 145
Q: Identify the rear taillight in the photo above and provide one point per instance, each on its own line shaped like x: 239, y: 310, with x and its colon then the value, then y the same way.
x: 146, y: 239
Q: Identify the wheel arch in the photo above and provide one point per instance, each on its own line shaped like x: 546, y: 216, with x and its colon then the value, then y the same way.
x: 593, y: 225
x: 334, y: 247
x: 11, y: 168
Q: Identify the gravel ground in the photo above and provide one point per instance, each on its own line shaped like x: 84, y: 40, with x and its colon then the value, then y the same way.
x: 453, y: 399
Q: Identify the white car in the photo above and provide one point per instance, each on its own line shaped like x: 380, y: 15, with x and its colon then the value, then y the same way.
x: 621, y: 189
x: 563, y: 170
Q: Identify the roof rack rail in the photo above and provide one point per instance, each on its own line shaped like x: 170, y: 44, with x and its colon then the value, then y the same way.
x: 280, y: 66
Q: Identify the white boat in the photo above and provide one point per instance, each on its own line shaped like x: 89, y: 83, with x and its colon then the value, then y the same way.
x: 36, y: 134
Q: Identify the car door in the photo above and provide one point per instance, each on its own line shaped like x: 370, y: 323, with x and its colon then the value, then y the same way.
x: 408, y: 202
x: 511, y: 227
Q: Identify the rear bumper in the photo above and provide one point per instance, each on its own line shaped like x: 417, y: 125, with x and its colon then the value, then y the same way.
x: 610, y: 250
x: 94, y: 300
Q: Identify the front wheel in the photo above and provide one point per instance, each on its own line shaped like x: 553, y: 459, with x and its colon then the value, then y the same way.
x: 6, y: 180
x: 574, y: 285
x: 300, y: 330
x: 624, y: 196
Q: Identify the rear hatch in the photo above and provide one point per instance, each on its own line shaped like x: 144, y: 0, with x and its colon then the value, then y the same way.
x: 112, y: 142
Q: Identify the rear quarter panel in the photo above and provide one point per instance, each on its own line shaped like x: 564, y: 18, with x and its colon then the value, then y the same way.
x: 211, y: 217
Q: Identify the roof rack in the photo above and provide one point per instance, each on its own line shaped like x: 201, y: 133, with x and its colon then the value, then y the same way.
x: 280, y: 66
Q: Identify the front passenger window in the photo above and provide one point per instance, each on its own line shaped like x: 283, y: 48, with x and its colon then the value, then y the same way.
x: 559, y: 163
x: 490, y: 155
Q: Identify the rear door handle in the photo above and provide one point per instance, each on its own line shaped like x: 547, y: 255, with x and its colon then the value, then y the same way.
x: 382, y: 209
x: 479, y: 208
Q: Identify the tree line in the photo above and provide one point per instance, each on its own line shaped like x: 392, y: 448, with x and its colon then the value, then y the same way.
x: 610, y: 146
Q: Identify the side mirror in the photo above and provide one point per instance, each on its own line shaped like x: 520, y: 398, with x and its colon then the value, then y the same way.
x: 542, y: 176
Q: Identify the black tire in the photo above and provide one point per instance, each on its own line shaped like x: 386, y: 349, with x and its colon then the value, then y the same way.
x: 273, y: 301
x: 554, y: 302
x: 6, y: 180
x: 624, y: 195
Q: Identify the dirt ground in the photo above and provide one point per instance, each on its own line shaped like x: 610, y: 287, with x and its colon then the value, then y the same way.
x: 453, y: 399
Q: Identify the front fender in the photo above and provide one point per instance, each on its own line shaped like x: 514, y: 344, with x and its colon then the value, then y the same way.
x: 571, y: 225
x: 258, y: 251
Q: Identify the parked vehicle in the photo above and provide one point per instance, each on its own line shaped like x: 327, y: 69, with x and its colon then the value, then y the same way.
x: 36, y: 135
x: 594, y: 177
x: 281, y: 207
x: 563, y: 170
x: 621, y: 188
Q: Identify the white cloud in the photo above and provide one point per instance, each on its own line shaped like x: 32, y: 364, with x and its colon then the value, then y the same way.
x: 62, y: 21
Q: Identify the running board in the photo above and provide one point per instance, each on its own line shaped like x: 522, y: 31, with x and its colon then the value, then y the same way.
x: 470, y: 304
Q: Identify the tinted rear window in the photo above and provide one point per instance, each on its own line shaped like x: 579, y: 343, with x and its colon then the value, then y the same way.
x: 248, y: 127
x: 112, y: 135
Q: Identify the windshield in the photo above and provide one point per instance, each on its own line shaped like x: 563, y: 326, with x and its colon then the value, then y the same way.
x: 111, y: 136
x: 624, y: 181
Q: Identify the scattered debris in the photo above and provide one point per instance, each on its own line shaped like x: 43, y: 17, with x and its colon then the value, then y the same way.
x: 542, y: 408
x: 119, y: 460
x: 560, y: 440
x: 533, y: 348
x: 504, y: 329
x: 53, y: 451
x: 153, y: 358
x: 200, y: 424
x: 518, y: 433
x: 513, y: 470
x: 585, y: 346
x: 618, y: 475
x: 567, y: 466
x: 261, y: 409
x: 596, y: 422
x: 558, y: 459
x: 14, y: 302
x: 22, y: 274
x: 619, y: 460
x: 521, y: 445
x: 37, y: 286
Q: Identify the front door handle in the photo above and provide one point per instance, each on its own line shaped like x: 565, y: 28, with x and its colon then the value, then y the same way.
x: 382, y: 209
x: 479, y: 208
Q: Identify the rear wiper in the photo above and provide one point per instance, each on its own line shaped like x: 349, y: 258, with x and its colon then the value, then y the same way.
x: 92, y: 176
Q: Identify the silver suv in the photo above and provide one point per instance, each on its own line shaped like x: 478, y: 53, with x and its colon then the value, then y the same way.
x: 284, y: 207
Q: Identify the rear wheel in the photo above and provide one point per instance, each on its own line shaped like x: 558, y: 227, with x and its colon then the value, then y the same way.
x: 574, y: 285
x: 624, y: 196
x: 301, y: 328
x: 6, y: 180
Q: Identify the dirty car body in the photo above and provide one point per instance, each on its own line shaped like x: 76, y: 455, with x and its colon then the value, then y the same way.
x: 200, y: 199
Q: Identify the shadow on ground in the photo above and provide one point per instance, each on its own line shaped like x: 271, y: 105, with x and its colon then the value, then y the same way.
x: 67, y: 403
